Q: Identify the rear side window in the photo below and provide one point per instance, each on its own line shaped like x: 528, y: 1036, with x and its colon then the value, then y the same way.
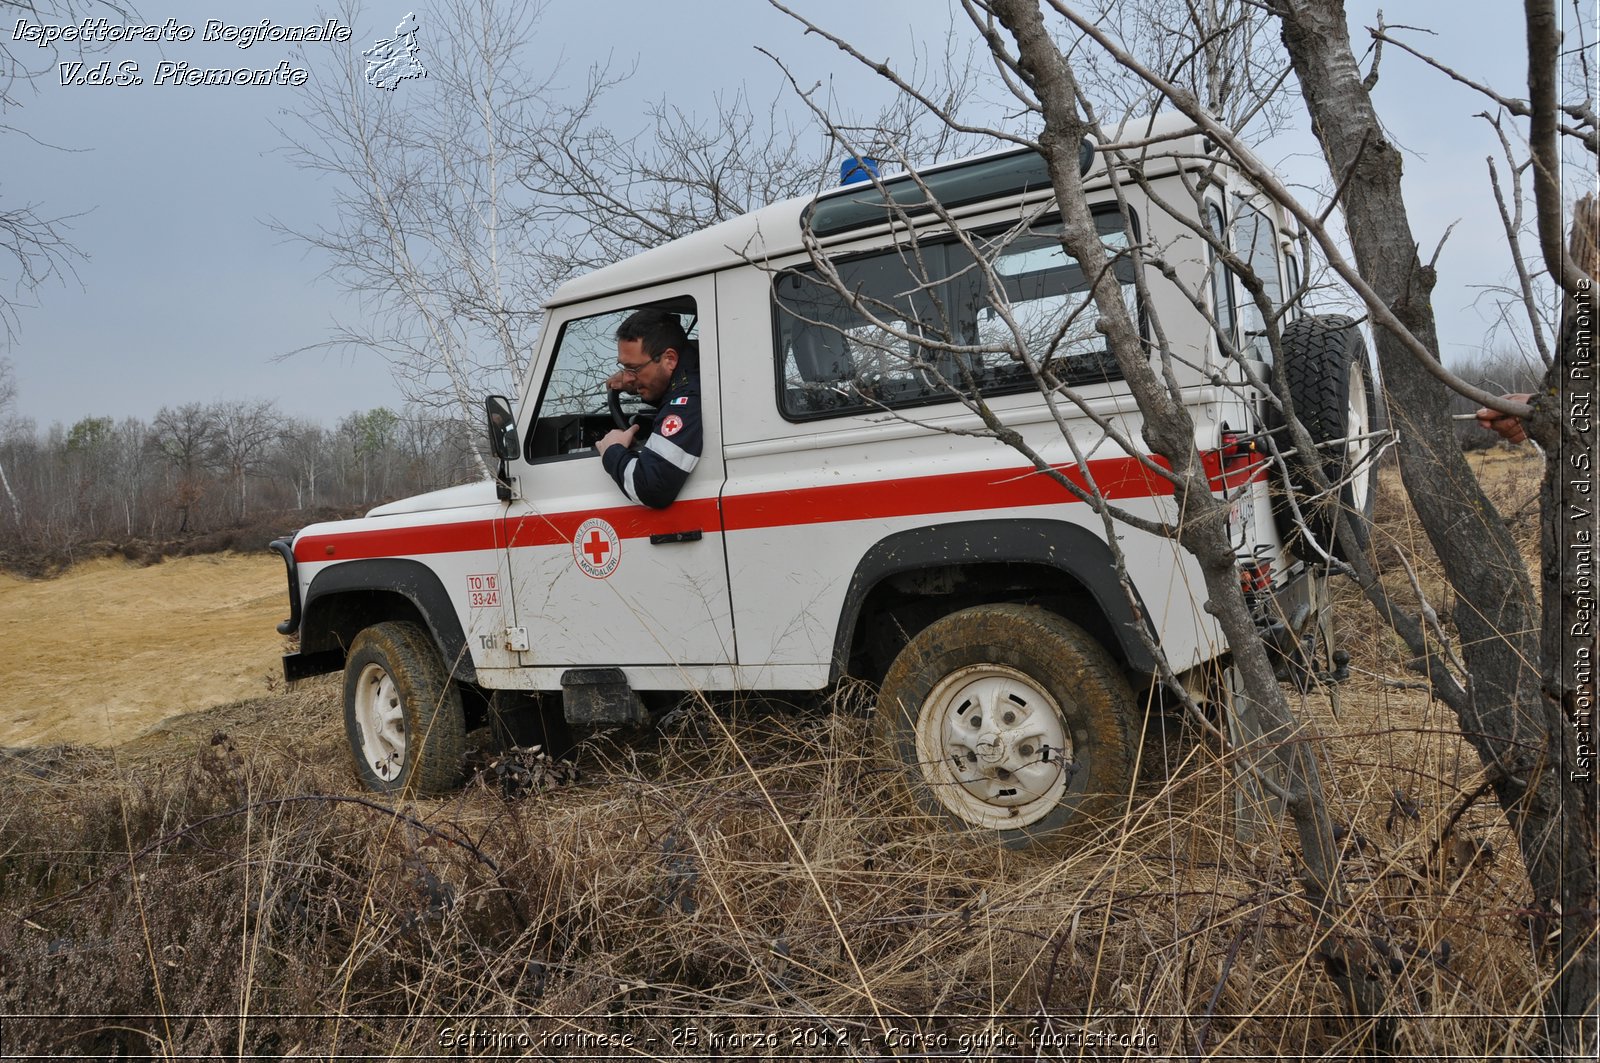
x: 916, y: 303
x: 1256, y: 241
x: 1291, y: 282
x: 1222, y: 307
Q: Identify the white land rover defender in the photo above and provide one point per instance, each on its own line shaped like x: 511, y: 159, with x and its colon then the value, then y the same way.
x: 838, y: 522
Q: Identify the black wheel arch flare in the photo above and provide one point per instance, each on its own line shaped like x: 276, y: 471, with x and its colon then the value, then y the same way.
x: 1069, y: 549
x: 347, y: 597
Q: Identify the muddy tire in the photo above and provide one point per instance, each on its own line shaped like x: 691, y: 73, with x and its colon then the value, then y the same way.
x: 1008, y: 718
x: 402, y: 714
x: 1329, y: 380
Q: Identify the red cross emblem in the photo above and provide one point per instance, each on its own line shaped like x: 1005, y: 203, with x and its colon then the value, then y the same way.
x: 596, y: 548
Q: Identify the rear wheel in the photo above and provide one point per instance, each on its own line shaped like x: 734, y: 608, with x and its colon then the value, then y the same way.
x: 402, y: 713
x: 1008, y: 718
x: 1329, y: 381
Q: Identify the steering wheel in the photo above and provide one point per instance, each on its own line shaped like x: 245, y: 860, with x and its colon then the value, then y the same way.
x: 644, y: 417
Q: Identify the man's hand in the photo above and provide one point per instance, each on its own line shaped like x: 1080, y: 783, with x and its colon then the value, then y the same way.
x: 615, y: 436
x: 614, y: 382
x: 1509, y: 427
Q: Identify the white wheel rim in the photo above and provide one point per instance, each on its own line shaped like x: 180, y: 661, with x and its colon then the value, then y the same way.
x: 993, y: 748
x: 1358, y: 445
x: 381, y: 717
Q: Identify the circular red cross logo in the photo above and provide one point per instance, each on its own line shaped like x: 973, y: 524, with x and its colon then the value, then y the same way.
x: 597, y: 548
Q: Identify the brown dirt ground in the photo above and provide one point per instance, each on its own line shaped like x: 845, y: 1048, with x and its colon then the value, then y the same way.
x: 111, y: 648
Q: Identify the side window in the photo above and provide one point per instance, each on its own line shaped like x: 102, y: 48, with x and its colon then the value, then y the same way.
x: 833, y: 357
x: 1222, y: 305
x: 1043, y: 286
x: 586, y: 354
x: 1256, y: 242
x: 1291, y: 283
x: 833, y: 360
x: 572, y: 410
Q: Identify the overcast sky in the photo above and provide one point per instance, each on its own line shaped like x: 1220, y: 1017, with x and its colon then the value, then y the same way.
x: 187, y: 295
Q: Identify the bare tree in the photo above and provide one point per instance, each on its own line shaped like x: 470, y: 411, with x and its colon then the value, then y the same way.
x: 300, y: 454
x: 8, y: 398
x: 1491, y: 669
x: 35, y: 243
x: 185, y: 436
x: 1222, y: 52
x: 244, y: 433
x: 613, y: 194
x: 431, y: 234
x: 1509, y: 703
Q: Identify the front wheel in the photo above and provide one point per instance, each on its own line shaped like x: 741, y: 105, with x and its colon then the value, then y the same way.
x: 1008, y: 718
x: 402, y: 714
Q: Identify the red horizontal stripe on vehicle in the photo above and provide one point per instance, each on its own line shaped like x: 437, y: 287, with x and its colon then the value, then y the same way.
x: 396, y: 542
x: 1015, y: 488
x: 1117, y: 478
x: 631, y: 522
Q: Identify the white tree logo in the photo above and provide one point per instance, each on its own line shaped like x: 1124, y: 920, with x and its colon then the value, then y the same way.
x: 392, y: 61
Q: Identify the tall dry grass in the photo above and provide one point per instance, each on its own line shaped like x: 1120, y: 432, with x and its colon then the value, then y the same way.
x: 744, y: 882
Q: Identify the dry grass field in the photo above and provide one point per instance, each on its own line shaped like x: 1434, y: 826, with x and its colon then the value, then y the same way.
x: 187, y: 868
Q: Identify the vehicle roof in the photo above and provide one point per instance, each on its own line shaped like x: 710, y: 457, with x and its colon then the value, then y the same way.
x: 775, y: 231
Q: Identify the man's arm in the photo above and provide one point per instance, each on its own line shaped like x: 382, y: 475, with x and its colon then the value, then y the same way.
x: 653, y: 475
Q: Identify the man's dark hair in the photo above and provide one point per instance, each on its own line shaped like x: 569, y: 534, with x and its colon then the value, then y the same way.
x: 658, y: 330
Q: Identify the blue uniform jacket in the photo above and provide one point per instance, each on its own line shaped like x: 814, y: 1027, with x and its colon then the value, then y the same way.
x: 653, y: 474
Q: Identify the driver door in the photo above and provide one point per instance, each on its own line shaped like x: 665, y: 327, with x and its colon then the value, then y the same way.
x: 598, y: 580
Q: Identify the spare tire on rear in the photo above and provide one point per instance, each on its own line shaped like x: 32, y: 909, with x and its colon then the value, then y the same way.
x: 1329, y: 381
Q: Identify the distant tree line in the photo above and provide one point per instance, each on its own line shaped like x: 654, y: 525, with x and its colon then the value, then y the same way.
x: 199, y: 468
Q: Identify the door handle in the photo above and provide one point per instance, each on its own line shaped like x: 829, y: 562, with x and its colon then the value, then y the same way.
x: 691, y: 536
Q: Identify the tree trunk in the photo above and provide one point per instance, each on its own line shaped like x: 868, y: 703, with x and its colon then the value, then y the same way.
x: 16, y: 510
x: 1563, y: 424
x: 1520, y: 735
x: 1201, y: 525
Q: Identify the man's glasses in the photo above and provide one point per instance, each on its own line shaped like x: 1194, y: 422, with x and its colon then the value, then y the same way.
x: 635, y: 370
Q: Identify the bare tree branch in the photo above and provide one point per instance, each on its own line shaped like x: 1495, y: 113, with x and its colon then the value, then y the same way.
x: 1269, y: 183
x: 1586, y: 133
